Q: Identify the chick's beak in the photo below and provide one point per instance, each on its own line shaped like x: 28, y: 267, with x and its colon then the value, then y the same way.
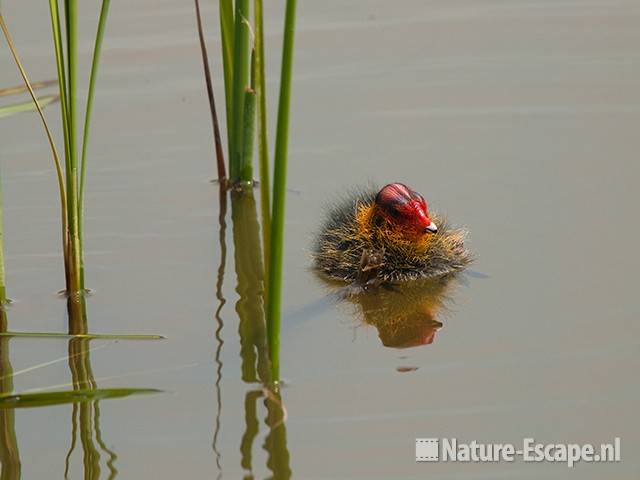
x: 431, y: 228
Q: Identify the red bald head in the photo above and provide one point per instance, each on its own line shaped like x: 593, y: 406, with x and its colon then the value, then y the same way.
x: 405, y: 209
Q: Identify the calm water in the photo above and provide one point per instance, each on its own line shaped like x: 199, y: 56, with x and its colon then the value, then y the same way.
x: 518, y: 119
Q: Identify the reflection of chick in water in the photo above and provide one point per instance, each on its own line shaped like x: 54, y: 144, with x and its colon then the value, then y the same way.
x: 405, y: 317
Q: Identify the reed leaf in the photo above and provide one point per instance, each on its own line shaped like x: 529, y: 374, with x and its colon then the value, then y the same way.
x: 27, y: 106
x: 274, y: 298
x: 87, y: 336
x: 46, y: 399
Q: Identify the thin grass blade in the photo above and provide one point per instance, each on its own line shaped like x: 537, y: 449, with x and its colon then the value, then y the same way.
x: 47, y: 364
x: 111, y: 378
x: 222, y: 174
x: 21, y: 88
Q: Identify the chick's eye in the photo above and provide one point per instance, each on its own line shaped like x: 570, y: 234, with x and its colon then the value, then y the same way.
x: 395, y: 213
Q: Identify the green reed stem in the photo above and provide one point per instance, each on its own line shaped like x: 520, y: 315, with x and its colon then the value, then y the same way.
x: 263, y: 144
x: 62, y: 76
x: 97, y: 48
x: 75, y: 275
x: 64, y: 102
x: 241, y: 67
x: 71, y: 16
x: 274, y: 299
x: 227, y: 34
x: 248, y: 136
